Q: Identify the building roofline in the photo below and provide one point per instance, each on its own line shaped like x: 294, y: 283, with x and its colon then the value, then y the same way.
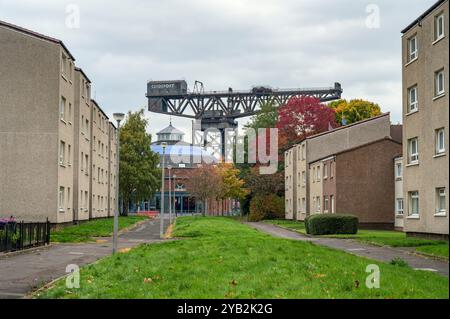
x: 346, y: 126
x: 82, y: 72
x: 423, y: 16
x: 37, y: 35
x: 100, y: 109
x: 386, y: 138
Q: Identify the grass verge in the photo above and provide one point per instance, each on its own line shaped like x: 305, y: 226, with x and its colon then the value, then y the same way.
x: 438, y: 248
x: 85, y: 232
x: 221, y: 258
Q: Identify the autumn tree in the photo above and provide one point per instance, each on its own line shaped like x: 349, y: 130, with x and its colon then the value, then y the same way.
x: 303, y: 116
x: 232, y: 186
x: 354, y: 111
x: 139, y: 176
x: 204, y: 183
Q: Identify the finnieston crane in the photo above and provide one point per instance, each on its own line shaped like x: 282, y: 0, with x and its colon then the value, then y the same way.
x: 220, y: 109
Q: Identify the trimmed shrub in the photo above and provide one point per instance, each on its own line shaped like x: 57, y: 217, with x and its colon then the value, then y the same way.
x: 330, y: 224
x: 266, y: 207
x: 306, y: 224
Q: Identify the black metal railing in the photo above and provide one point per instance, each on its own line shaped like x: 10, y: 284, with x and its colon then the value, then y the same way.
x: 22, y: 235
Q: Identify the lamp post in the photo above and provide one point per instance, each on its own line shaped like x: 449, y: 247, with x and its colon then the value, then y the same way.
x: 161, y: 213
x: 170, y: 195
x: 119, y: 118
x: 174, y: 190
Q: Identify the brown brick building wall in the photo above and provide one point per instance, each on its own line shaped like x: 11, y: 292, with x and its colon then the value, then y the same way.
x: 365, y: 182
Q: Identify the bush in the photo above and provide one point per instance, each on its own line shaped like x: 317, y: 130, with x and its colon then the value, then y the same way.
x: 266, y: 207
x: 330, y: 224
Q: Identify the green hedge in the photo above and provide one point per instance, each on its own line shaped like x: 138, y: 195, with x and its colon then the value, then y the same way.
x: 330, y: 224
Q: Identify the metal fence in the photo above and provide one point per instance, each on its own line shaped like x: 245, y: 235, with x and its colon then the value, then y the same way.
x: 21, y: 235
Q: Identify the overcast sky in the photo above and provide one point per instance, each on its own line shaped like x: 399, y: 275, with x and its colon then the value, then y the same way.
x: 228, y: 43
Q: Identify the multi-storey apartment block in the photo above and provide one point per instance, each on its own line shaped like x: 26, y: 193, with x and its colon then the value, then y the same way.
x: 316, y: 169
x: 82, y: 159
x: 45, y: 131
x: 100, y: 162
x: 425, y: 59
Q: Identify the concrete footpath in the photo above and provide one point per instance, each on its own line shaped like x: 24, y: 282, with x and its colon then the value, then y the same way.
x: 384, y: 254
x: 28, y: 270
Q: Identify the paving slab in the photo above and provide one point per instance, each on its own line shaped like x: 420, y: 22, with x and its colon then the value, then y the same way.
x: 22, y: 273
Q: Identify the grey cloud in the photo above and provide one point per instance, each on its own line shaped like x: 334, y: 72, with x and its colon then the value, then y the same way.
x: 290, y: 43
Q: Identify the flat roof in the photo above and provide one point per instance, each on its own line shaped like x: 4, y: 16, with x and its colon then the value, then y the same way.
x: 423, y: 15
x: 37, y: 35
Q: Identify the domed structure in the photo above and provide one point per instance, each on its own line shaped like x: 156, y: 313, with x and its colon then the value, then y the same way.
x: 170, y: 135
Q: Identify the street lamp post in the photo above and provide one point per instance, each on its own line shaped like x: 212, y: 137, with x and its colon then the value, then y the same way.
x: 161, y: 213
x: 174, y: 190
x: 170, y: 195
x: 119, y: 118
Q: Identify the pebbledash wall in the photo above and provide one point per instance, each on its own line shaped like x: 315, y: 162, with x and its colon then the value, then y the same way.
x: 46, y: 131
x: 326, y: 174
x: 425, y: 56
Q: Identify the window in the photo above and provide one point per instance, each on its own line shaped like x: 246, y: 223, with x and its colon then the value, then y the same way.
x: 439, y: 83
x: 325, y: 203
x: 82, y: 163
x: 318, y: 204
x: 398, y: 170
x: 62, y: 153
x: 63, y: 64
x: 304, y: 204
x: 85, y: 200
x: 414, y: 203
x: 440, y: 141
x: 61, y: 199
x: 332, y: 203
x: 303, y: 152
x: 62, y: 109
x: 399, y: 206
x: 86, y: 170
x: 413, y: 104
x: 413, y: 151
x: 440, y: 196
x: 318, y: 173
x: 87, y: 128
x: 325, y: 171
x: 68, y: 197
x: 332, y: 169
x: 412, y: 48
x: 314, y: 175
x: 82, y: 124
x: 69, y: 113
x: 303, y: 178
x: 69, y: 155
x: 81, y: 200
x: 439, y: 27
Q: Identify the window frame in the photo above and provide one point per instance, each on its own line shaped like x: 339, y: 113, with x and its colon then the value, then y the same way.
x: 412, y: 161
x: 439, y: 21
x: 413, y: 195
x: 399, y: 211
x: 437, y: 74
x: 438, y: 133
x: 413, y: 55
x: 413, y: 106
x: 439, y: 209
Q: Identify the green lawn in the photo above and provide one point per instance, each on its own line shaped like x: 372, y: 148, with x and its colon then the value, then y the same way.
x: 222, y: 258
x: 380, y: 237
x: 94, y: 228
